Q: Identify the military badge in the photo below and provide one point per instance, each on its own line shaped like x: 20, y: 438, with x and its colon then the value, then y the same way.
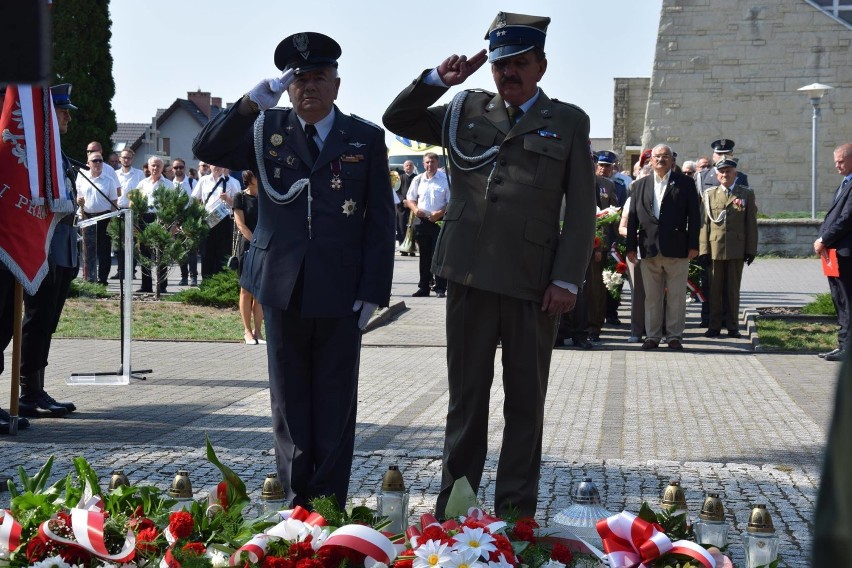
x: 357, y: 144
x: 352, y: 158
x: 336, y: 182
x: 548, y: 134
x: 349, y: 207
x: 277, y: 173
x: 273, y: 153
x: 276, y: 139
x: 300, y: 42
x: 291, y: 160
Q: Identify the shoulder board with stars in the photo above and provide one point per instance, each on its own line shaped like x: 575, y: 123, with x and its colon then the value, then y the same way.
x: 365, y: 121
x: 285, y: 110
x: 483, y: 91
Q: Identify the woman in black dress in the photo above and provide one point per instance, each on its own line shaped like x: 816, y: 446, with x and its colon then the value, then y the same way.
x: 245, y: 216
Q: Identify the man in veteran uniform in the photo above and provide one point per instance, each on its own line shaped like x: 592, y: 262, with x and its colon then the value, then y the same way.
x: 321, y: 257
x: 513, y: 158
x: 728, y: 238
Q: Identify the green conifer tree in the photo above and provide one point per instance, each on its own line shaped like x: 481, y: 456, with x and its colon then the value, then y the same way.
x: 81, y: 56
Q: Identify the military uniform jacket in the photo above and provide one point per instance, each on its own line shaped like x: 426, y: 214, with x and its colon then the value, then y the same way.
x: 707, y: 179
x: 607, y: 196
x: 501, y: 229
x: 732, y: 235
x: 63, y: 242
x: 346, y: 252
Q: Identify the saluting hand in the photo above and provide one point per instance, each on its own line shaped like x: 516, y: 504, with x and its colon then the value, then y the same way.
x: 267, y: 93
x: 456, y: 68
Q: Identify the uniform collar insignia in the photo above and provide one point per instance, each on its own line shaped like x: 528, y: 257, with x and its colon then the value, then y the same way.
x: 357, y: 144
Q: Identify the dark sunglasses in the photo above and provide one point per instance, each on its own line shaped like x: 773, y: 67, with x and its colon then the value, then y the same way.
x: 178, y: 167
x: 97, y: 161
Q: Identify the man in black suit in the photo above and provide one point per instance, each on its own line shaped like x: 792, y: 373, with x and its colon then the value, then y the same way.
x: 836, y: 233
x: 663, y: 226
x: 321, y: 256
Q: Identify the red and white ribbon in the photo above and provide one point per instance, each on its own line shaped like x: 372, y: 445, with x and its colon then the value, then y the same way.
x: 493, y: 524
x: 630, y: 541
x: 88, y: 530
x: 297, y: 525
x: 695, y: 289
x: 365, y: 540
x: 10, y: 532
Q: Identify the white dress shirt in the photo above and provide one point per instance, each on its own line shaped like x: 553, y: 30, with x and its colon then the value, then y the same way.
x: 208, y: 184
x: 660, y: 185
x: 95, y: 202
x: 128, y: 180
x: 431, y: 194
x: 148, y: 186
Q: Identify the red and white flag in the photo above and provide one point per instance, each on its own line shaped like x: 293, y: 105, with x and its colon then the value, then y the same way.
x: 34, y: 191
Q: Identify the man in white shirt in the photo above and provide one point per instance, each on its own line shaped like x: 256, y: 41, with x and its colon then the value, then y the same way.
x: 182, y: 182
x: 213, y: 191
x: 428, y: 196
x: 129, y: 178
x: 95, y: 146
x: 147, y: 186
x: 97, y: 193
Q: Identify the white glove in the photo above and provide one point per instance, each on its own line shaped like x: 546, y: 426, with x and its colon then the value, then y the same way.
x: 267, y: 93
x: 367, y: 311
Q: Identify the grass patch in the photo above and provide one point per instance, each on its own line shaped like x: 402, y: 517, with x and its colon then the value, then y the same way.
x: 796, y: 335
x: 100, y: 319
x: 82, y: 289
x: 821, y: 306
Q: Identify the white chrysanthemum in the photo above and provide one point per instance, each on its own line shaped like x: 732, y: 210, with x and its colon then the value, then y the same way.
x: 217, y: 557
x: 553, y: 564
x: 475, y: 539
x: 52, y: 562
x: 465, y: 559
x: 432, y: 554
x: 500, y: 563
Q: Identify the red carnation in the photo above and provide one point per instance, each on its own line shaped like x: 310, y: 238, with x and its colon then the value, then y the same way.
x: 299, y: 550
x: 472, y: 523
x: 621, y: 267
x: 330, y: 555
x: 277, y: 562
x: 309, y: 563
x: 504, y: 547
x: 145, y: 540
x: 561, y: 553
x: 524, y: 532
x: 222, y: 494
x: 37, y: 549
x: 194, y: 548
x: 405, y: 563
x: 139, y: 524
x: 434, y: 533
x: 75, y: 556
x: 597, y: 242
x: 180, y: 524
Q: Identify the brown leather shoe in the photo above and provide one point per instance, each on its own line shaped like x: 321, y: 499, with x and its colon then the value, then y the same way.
x: 675, y: 344
x: 650, y: 344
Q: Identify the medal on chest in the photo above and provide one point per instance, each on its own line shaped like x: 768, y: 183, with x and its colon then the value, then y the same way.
x: 336, y: 182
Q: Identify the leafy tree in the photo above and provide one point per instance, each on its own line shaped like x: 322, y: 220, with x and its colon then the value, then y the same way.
x: 81, y: 56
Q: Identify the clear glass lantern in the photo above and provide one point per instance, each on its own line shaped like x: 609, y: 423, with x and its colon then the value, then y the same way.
x: 760, y: 541
x: 118, y: 479
x: 673, y: 496
x: 586, y: 510
x: 711, y: 528
x: 272, y: 495
x: 393, y: 501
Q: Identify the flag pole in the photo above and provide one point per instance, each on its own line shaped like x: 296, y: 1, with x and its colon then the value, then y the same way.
x: 17, y: 323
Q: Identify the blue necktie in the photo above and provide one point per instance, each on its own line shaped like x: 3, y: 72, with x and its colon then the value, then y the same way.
x: 841, y: 189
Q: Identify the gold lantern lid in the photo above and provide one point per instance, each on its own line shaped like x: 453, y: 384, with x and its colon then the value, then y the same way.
x: 181, y: 486
x: 393, y: 480
x: 712, y: 509
x: 118, y: 479
x: 674, y: 495
x: 272, y: 488
x: 759, y: 520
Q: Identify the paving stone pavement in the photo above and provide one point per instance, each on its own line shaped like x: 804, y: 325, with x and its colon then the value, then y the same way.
x: 717, y: 416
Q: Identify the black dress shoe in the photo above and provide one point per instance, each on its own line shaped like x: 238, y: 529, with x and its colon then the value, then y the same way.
x: 582, y: 344
x: 6, y: 418
x: 183, y: 282
x: 144, y: 291
x: 712, y: 333
x: 116, y: 277
x: 613, y: 321
x: 839, y: 356
x: 31, y: 407
x: 67, y: 404
x: 832, y: 352
x: 704, y: 323
x: 675, y: 344
x: 650, y: 344
x: 420, y: 293
x: 734, y: 333
x: 594, y: 337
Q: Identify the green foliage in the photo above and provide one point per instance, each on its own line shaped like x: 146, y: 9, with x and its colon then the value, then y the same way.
x: 821, y: 305
x: 221, y: 290
x: 81, y: 56
x: 82, y: 289
x: 337, y: 517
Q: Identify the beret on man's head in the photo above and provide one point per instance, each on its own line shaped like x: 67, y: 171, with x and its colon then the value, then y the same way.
x: 644, y: 158
x: 306, y: 51
x: 513, y: 34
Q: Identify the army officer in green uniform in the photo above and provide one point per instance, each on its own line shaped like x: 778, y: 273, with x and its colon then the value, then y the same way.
x: 321, y: 256
x: 514, y: 157
x: 729, y: 238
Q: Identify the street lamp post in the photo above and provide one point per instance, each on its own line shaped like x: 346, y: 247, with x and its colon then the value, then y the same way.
x: 815, y: 92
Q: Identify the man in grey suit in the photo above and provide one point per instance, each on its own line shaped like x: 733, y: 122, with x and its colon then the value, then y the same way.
x: 662, y: 227
x: 321, y: 256
x: 514, y: 157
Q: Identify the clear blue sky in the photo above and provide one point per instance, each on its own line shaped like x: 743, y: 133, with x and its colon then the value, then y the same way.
x: 163, y: 49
